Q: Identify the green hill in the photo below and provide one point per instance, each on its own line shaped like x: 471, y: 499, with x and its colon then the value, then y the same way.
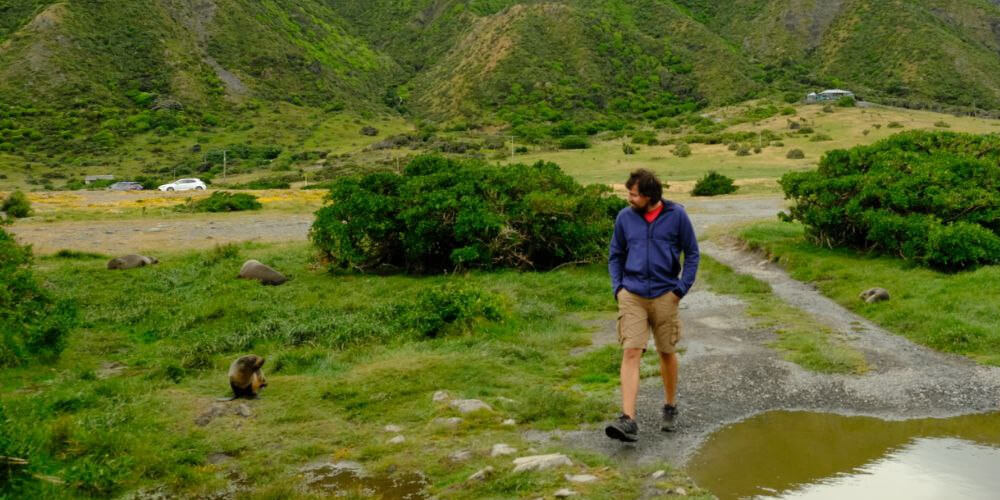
x: 86, y: 81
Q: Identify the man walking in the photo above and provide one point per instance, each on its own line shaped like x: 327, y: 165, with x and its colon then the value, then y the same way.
x: 648, y: 283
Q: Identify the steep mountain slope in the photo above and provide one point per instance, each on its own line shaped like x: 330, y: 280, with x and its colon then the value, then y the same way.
x: 88, y: 72
x: 944, y: 51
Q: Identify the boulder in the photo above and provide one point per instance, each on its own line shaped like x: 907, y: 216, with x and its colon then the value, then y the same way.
x: 540, y: 462
x: 482, y: 475
x: 469, y: 405
x: 131, y: 261
x: 565, y: 492
x: 502, y: 449
x: 440, y: 396
x: 254, y: 270
x: 580, y: 478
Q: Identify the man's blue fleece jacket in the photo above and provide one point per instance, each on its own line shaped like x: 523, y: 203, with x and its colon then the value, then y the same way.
x: 645, y: 258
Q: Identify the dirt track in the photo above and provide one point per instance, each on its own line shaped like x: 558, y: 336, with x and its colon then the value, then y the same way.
x: 151, y: 235
x: 729, y: 373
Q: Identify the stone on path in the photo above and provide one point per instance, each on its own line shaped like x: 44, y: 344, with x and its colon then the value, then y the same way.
x: 440, y: 396
x: 448, y: 422
x: 501, y: 449
x: 540, y: 462
x: 678, y: 491
x: 509, y: 421
x: 469, y: 405
x: 393, y: 428
x: 397, y: 440
x: 581, y: 478
x: 658, y: 474
x: 482, y: 475
x: 460, y: 456
x: 565, y: 492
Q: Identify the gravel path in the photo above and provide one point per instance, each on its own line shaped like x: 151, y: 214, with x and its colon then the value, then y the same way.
x: 728, y: 372
x: 145, y: 235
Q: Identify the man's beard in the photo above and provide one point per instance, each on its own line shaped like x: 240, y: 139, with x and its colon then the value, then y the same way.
x: 642, y: 210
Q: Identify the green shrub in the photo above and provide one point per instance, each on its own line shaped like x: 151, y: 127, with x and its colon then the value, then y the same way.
x: 449, y: 309
x: 628, y: 148
x: 222, y: 201
x: 828, y: 109
x: 820, y: 137
x: 795, y: 154
x: 712, y: 184
x: 894, y: 125
x: 17, y: 205
x: 574, y: 142
x: 846, y: 102
x: 743, y: 150
x: 647, y: 137
x: 443, y: 214
x: 33, y: 325
x: 788, y: 111
x: 682, y: 150
x: 942, y: 124
x: 521, y: 149
x: 929, y: 197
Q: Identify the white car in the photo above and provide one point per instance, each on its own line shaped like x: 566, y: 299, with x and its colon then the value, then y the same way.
x: 183, y: 185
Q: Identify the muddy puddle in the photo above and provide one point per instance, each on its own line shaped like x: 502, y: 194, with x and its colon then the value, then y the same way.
x: 823, y: 456
x: 349, y: 479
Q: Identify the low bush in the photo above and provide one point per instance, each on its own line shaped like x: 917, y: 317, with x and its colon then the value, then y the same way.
x: 712, y: 184
x: 942, y: 124
x: 275, y: 182
x: 929, y: 197
x: 795, y: 154
x: 894, y: 125
x: 369, y: 131
x: 33, y: 325
x: 442, y: 214
x: 628, y: 149
x: 17, y: 205
x: 574, y: 142
x: 449, y: 309
x: 222, y: 201
x: 846, y: 102
x: 682, y: 150
x: 820, y: 137
x: 743, y: 150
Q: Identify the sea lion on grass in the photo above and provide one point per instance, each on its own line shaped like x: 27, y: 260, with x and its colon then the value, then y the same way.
x: 131, y: 261
x: 245, y: 377
x: 254, y: 270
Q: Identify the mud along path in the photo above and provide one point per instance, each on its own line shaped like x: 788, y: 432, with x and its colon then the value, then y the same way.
x: 729, y: 373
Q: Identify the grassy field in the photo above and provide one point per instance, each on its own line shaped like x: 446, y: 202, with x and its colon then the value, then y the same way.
x: 949, y: 312
x: 51, y: 206
x: 342, y: 364
x: 606, y: 163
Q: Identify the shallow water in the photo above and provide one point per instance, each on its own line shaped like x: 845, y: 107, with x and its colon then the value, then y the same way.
x: 819, y: 456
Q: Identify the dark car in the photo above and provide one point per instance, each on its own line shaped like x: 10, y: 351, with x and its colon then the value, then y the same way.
x: 125, y: 186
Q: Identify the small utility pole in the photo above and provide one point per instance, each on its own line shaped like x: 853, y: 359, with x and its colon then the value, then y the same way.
x: 224, y: 165
x: 511, y: 148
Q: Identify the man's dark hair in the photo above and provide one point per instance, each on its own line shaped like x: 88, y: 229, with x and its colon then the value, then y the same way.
x: 649, y: 185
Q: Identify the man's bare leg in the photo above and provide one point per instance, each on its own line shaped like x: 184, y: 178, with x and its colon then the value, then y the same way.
x: 668, y: 371
x: 630, y: 380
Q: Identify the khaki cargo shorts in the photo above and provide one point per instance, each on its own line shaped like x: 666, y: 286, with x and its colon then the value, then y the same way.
x: 638, y: 315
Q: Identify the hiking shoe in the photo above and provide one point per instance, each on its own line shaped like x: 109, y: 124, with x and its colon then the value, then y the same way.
x: 669, y: 418
x: 623, y: 429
